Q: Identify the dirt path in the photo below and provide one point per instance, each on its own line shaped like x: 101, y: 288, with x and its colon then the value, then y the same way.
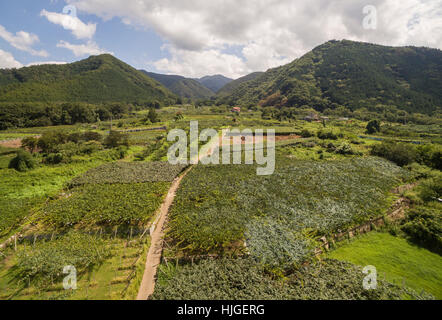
x: 156, y: 248
x: 153, y: 260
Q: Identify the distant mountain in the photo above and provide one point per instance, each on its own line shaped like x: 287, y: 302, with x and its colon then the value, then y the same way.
x: 181, y: 86
x: 214, y: 83
x: 353, y: 75
x: 231, y: 86
x: 97, y: 79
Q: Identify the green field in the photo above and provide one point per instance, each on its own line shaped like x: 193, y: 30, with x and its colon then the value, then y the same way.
x: 396, y: 259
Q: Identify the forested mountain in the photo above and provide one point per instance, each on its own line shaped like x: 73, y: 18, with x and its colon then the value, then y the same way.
x: 181, y: 86
x: 351, y: 74
x: 214, y: 83
x: 233, y: 85
x: 97, y: 79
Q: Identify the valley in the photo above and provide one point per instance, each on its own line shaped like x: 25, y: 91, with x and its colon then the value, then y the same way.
x: 86, y: 180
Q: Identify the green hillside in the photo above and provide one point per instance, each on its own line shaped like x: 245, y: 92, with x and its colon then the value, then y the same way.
x: 214, y: 83
x: 97, y: 79
x: 232, y: 86
x: 181, y: 86
x: 351, y: 74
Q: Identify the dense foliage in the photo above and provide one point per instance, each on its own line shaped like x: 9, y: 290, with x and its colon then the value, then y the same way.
x: 94, y: 80
x: 351, y: 74
x: 424, y: 226
x: 44, y: 263
x: 243, y: 279
x: 109, y: 204
x: 130, y: 172
x: 217, y: 206
x: 36, y: 114
x: 406, y: 153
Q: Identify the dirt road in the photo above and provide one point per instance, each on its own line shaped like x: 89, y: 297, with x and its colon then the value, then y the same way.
x: 156, y: 248
x: 153, y: 260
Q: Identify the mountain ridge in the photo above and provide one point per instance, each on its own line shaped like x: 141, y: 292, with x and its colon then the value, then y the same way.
x: 215, y: 82
x: 182, y: 86
x: 350, y: 74
x: 101, y: 78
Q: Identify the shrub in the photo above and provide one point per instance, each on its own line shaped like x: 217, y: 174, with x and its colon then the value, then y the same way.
x: 345, y: 149
x: 53, y: 158
x: 323, y: 135
x: 22, y: 162
x: 90, y: 147
x: 306, y: 133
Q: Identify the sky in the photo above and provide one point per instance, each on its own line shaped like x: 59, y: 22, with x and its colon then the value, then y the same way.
x: 195, y: 38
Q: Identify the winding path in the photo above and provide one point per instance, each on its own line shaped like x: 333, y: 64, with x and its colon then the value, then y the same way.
x: 153, y: 260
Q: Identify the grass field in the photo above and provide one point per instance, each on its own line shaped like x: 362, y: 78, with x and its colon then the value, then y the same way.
x: 397, y: 259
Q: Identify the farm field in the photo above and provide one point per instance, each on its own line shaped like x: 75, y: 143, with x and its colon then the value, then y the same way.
x: 230, y: 234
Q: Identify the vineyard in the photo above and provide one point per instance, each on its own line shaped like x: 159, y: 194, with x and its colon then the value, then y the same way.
x: 107, y: 204
x: 278, y: 217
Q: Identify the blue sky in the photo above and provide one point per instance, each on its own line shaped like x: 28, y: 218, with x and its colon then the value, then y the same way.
x: 136, y: 46
x: 200, y: 37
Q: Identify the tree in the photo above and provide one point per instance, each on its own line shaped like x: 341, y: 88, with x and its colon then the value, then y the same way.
x: 373, y: 126
x: 116, y: 139
x: 179, y: 116
x: 152, y: 116
x: 22, y: 162
x: 30, y: 143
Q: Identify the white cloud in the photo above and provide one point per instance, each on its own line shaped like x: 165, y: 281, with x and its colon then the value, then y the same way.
x: 39, y: 63
x: 198, y: 64
x: 79, y: 50
x: 71, y: 22
x: 7, y: 61
x: 22, y: 41
x: 268, y: 32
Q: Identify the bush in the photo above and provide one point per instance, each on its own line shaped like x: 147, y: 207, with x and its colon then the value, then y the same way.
x: 90, y: 147
x: 306, y: 133
x: 53, y: 158
x: 345, y: 149
x: 22, y: 162
x: 324, y: 135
